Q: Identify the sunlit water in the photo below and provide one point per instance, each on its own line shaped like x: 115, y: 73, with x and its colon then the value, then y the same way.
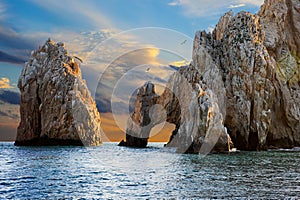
x: 112, y: 172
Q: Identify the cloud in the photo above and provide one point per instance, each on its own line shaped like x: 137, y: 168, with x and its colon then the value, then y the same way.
x: 139, y: 57
x: 5, y: 83
x: 211, y: 29
x: 174, y: 3
x: 9, y: 119
x: 18, y: 45
x: 179, y: 63
x: 2, y: 11
x: 127, y: 49
x: 78, y: 10
x: 237, y: 6
x: 4, y: 57
x: 119, y: 76
x: 204, y: 8
x: 82, y: 14
x: 10, y: 97
x: 251, y: 2
x: 9, y: 114
x: 14, y: 43
x: 125, y: 57
x: 113, y: 133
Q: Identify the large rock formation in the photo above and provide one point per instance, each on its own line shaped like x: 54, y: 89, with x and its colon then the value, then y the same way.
x: 244, y: 80
x: 258, y: 56
x: 56, y: 105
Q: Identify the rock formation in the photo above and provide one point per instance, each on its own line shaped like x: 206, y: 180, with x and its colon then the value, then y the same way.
x: 244, y: 80
x: 140, y: 122
x: 56, y: 106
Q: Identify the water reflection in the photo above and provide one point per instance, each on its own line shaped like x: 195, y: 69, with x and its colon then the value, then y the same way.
x: 113, y: 172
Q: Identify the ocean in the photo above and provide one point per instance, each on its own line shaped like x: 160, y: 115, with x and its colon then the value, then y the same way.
x: 113, y: 172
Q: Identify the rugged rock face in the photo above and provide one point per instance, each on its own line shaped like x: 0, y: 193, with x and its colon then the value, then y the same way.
x: 56, y: 106
x: 140, y: 122
x: 244, y: 79
x: 194, y: 111
x: 258, y: 56
x: 281, y: 24
x: 192, y: 107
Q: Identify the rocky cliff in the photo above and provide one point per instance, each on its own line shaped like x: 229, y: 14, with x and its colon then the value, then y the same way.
x: 56, y: 106
x: 243, y: 84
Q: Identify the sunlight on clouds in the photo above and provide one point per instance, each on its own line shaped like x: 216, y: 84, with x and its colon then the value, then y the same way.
x: 152, y: 53
x: 98, y: 49
x: 9, y: 120
x: 5, y: 83
x: 142, y: 48
x: 113, y: 133
x: 180, y: 63
x: 139, y: 57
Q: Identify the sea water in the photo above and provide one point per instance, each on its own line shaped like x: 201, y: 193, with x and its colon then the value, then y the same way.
x: 113, y: 172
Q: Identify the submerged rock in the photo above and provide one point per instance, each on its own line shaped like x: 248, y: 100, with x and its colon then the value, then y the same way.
x: 243, y: 84
x: 56, y: 106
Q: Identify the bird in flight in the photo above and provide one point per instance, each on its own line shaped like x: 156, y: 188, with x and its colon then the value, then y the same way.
x: 183, y: 42
x: 148, y: 69
x: 78, y: 58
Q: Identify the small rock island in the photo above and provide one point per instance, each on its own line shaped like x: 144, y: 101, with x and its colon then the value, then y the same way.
x: 56, y: 106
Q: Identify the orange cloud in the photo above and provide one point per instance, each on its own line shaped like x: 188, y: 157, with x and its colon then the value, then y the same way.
x: 9, y: 118
x: 180, y: 63
x: 5, y: 83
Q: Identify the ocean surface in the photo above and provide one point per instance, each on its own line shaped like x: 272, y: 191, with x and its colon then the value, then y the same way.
x: 112, y: 172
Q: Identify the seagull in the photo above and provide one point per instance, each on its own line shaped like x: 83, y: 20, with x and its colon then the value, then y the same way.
x: 183, y: 42
x: 78, y: 58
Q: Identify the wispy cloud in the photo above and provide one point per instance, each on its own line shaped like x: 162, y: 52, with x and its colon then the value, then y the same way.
x: 78, y: 10
x: 251, y: 2
x: 210, y: 29
x: 5, y: 83
x: 2, y: 11
x: 16, y: 44
x: 9, y: 119
x: 237, y: 6
x: 4, y: 57
x: 201, y: 8
x: 174, y: 3
x: 21, y: 43
x: 15, y: 47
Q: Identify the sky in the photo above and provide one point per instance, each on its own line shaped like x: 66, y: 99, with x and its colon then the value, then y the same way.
x: 118, y: 40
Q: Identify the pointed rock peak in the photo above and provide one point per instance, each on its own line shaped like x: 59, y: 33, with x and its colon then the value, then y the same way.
x: 56, y: 106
